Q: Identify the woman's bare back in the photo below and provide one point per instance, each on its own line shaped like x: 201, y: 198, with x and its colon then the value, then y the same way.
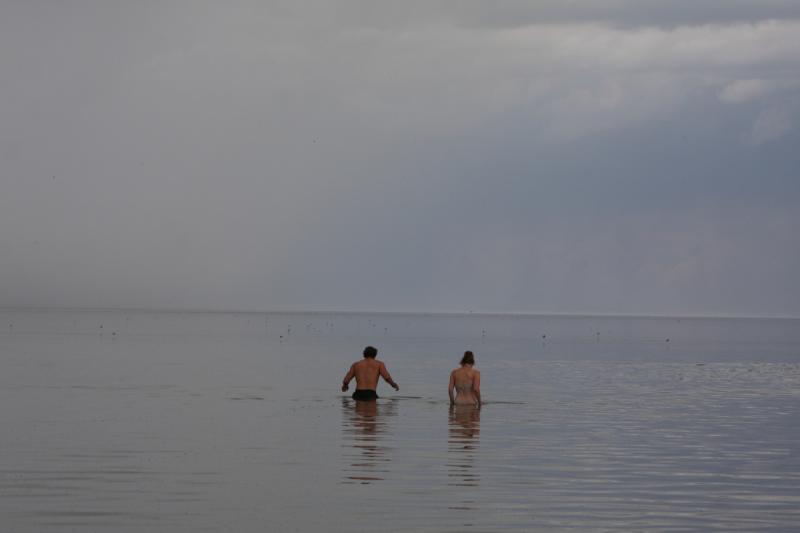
x: 467, y: 383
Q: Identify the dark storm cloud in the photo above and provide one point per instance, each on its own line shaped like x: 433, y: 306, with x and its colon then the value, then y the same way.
x: 627, y: 12
x: 549, y: 156
x: 517, y: 13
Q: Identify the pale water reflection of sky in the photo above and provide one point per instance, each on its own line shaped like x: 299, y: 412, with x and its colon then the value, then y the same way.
x: 614, y: 157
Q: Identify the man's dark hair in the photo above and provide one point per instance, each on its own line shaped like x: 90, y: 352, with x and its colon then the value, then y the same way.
x: 468, y: 359
x: 370, y: 352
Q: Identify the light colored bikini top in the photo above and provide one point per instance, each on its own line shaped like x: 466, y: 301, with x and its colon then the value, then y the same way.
x: 463, y: 387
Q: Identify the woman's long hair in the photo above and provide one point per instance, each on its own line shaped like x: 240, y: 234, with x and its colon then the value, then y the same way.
x: 468, y: 359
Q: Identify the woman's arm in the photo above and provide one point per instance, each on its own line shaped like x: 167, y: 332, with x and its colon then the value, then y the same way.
x: 476, y: 386
x: 450, y: 386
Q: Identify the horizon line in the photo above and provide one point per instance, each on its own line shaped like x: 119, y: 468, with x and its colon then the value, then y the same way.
x: 401, y: 312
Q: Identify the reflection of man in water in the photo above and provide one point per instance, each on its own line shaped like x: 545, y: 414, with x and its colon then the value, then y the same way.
x: 366, y: 454
x: 367, y: 371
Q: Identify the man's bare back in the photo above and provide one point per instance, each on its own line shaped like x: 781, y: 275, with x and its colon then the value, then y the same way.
x: 367, y: 372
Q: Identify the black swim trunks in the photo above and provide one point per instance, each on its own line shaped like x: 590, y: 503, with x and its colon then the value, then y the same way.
x: 365, y: 394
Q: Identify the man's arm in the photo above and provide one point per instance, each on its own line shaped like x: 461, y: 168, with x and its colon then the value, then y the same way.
x: 450, y: 387
x: 476, y: 387
x: 386, y: 377
x: 348, y: 377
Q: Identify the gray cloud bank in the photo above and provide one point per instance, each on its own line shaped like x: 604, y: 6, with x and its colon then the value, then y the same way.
x: 615, y: 157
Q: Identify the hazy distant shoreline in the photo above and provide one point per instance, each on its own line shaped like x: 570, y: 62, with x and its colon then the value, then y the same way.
x: 492, y: 314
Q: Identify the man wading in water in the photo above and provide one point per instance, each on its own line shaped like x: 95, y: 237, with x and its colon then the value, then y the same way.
x: 366, y: 373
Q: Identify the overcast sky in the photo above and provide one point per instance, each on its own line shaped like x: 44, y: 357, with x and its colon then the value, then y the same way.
x: 553, y: 156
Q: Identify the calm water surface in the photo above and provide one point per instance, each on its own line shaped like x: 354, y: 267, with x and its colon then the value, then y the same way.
x: 210, y: 422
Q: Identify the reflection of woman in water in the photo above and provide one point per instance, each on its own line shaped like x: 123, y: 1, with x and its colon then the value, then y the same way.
x: 466, y: 381
x: 465, y: 426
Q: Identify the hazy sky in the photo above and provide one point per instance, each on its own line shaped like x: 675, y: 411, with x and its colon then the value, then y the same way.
x: 552, y: 156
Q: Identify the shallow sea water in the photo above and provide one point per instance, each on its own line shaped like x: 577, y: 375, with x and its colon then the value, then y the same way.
x: 138, y: 421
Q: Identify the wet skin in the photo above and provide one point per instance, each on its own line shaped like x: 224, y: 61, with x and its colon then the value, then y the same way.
x: 466, y: 381
x: 367, y: 372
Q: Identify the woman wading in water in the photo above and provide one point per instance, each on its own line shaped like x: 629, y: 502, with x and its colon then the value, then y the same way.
x: 466, y: 381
